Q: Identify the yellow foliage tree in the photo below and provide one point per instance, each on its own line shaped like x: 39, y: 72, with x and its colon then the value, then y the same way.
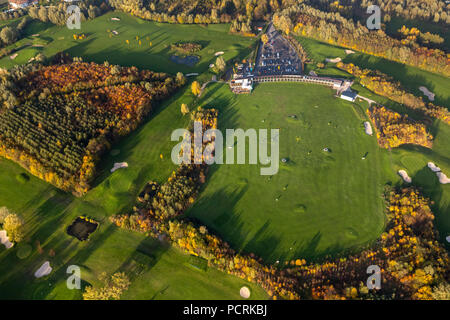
x: 196, y: 89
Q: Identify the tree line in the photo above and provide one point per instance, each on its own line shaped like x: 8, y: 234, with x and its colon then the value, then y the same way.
x: 303, y: 20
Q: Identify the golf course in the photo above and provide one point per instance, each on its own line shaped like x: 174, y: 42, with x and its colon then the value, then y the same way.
x: 327, y: 199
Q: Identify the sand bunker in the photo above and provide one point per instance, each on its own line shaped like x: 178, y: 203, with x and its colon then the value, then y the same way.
x: 5, y: 240
x: 442, y: 178
x: 44, y: 270
x: 335, y: 60
x: 427, y: 92
x: 368, y: 128
x: 312, y: 73
x: 404, y: 176
x: 448, y: 239
x: 211, y: 65
x: 433, y: 167
x: 35, y: 35
x: 115, y: 19
x: 114, y: 32
x: 191, y: 74
x: 347, y: 51
x: 245, y: 292
x: 13, y: 56
x: 119, y: 165
x: 219, y: 53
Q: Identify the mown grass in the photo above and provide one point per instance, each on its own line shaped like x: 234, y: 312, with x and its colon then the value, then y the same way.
x: 327, y: 202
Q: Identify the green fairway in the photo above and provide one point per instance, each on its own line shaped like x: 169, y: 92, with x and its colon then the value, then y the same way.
x: 48, y: 212
x: 99, y: 46
x: 410, y: 77
x: 327, y: 201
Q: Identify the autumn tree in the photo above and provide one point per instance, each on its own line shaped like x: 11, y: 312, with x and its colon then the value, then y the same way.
x: 180, y: 78
x: 220, y: 64
x: 4, y: 212
x: 265, y: 38
x: 112, y: 288
x: 184, y: 109
x: 13, y: 225
x: 196, y: 89
x: 8, y: 35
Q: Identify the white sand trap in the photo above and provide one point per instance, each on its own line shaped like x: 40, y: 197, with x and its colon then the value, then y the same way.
x: 191, y: 74
x: 115, y: 19
x: 219, y: 53
x: 44, y: 270
x: 115, y: 32
x: 245, y: 292
x: 448, y: 239
x: 347, y: 51
x: 433, y: 167
x: 35, y: 35
x: 312, y: 73
x: 442, y: 178
x: 335, y: 60
x: 368, y: 128
x: 5, y: 240
x: 119, y: 165
x: 13, y: 56
x: 427, y: 92
x: 404, y: 176
x: 211, y: 65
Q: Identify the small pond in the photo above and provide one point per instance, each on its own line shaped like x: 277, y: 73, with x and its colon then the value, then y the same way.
x: 81, y: 228
x: 188, y: 60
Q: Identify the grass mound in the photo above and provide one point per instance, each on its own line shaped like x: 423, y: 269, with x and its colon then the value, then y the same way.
x: 23, y: 251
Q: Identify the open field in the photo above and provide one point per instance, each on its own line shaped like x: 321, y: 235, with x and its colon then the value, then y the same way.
x: 100, y: 46
x: 325, y: 201
x: 48, y: 212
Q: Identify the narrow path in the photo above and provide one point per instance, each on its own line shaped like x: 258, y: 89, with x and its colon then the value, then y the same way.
x: 204, y: 86
x: 370, y: 101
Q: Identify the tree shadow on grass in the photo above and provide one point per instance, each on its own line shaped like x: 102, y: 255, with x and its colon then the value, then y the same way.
x: 55, y: 207
x: 151, y: 249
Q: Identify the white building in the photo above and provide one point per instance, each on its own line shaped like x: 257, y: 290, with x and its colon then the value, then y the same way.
x: 349, y: 95
x: 242, y: 85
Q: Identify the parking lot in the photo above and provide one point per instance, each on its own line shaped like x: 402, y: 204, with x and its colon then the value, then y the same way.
x: 277, y: 56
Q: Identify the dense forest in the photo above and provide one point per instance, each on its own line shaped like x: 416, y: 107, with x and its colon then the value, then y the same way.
x: 57, y: 120
x: 333, y: 28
